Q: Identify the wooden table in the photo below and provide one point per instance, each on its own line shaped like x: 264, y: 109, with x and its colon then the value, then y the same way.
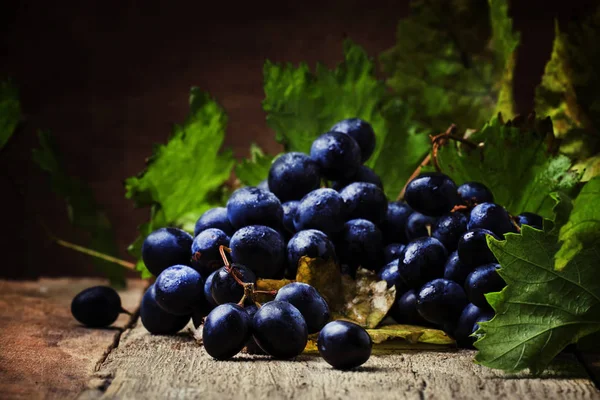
x: 45, y: 353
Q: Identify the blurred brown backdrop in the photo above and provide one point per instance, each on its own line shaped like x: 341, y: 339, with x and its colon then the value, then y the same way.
x: 109, y: 79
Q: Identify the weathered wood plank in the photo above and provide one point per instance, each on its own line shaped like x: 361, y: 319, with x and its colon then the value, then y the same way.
x: 44, y: 352
x: 155, y: 367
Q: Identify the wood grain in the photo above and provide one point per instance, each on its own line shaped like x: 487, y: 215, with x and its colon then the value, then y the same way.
x: 159, y: 367
x: 44, y: 352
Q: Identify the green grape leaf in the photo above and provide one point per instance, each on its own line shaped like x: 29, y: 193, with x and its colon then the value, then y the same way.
x: 516, y: 162
x: 186, y: 176
x: 251, y: 171
x: 453, y: 62
x: 83, y: 211
x: 541, y: 310
x: 583, y: 227
x: 301, y: 105
x: 10, y: 111
x: 568, y: 92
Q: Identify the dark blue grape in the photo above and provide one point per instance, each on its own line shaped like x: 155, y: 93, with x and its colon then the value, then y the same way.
x: 293, y: 175
x: 419, y: 225
x: 289, y: 211
x: 361, y: 131
x: 251, y: 346
x: 264, y: 185
x: 484, y: 317
x: 432, y: 194
x: 393, y: 251
x: 473, y: 249
x: 97, y: 306
x: 253, y: 206
x: 441, y: 301
x: 156, y: 320
x: 311, y: 243
x: 260, y: 248
x: 482, y: 280
x: 337, y: 154
x: 464, y: 327
x: 366, y: 201
x: 208, y: 290
x: 455, y: 270
x: 391, y: 274
x: 308, y: 301
x: 492, y: 217
x: 322, y: 209
x: 360, y: 244
x: 531, y: 219
x: 280, y: 329
x: 364, y: 174
x: 179, y: 289
x: 344, y: 345
x: 205, y: 251
x: 214, y: 218
x: 225, y: 289
x: 423, y: 261
x: 449, y: 228
x: 393, y: 226
x: 472, y: 193
x: 166, y: 247
x: 226, y: 331
x: 404, y: 309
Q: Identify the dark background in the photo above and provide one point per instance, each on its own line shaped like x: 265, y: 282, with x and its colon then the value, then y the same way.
x: 109, y: 79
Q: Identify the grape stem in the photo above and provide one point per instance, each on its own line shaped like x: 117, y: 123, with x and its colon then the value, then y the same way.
x: 94, y: 253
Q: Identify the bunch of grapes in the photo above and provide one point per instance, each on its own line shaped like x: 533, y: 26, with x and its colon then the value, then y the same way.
x: 328, y: 205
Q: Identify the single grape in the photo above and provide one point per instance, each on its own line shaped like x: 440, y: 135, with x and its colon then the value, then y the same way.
x: 166, y: 247
x: 419, y: 225
x: 391, y: 274
x: 260, y: 248
x: 205, y: 251
x: 432, y: 194
x: 441, y: 301
x: 158, y: 321
x: 393, y: 226
x: 361, y: 131
x: 482, y: 280
x: 449, y: 228
x: 360, y: 244
x: 264, y: 185
x: 97, y: 306
x: 252, y: 206
x: 423, y: 261
x: 344, y: 345
x: 364, y: 174
x: 214, y: 218
x: 280, y: 329
x: 251, y: 346
x: 473, y: 249
x: 311, y: 243
x: 455, y: 270
x: 366, y: 201
x: 404, y: 309
x: 464, y: 327
x: 337, y: 154
x: 226, y: 331
x: 393, y: 251
x: 289, y: 211
x: 225, y: 289
x: 292, y: 175
x: 531, y: 219
x: 472, y: 193
x: 322, y: 209
x: 492, y: 217
x: 179, y: 289
x: 484, y: 317
x: 208, y: 289
x: 308, y: 301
